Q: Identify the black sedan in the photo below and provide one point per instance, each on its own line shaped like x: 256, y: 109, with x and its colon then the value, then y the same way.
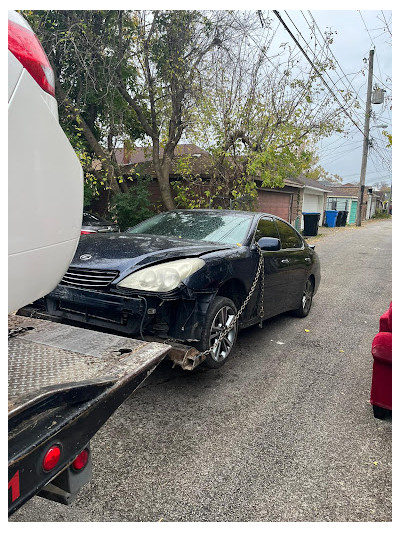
x: 194, y: 276
x: 93, y: 224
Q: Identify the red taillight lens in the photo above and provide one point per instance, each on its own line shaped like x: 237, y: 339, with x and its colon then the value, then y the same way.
x: 26, y: 47
x: 84, y: 232
x: 51, y: 458
x: 81, y: 461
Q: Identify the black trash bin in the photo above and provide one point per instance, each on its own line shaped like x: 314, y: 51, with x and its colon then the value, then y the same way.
x: 311, y: 221
x: 341, y: 218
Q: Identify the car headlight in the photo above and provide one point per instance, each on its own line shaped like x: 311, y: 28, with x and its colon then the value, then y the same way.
x: 164, y: 277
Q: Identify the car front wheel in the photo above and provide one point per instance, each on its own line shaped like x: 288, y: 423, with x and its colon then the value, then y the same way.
x: 219, y: 319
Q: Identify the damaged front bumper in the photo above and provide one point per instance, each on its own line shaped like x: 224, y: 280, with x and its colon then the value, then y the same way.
x: 177, y: 318
x: 95, y: 308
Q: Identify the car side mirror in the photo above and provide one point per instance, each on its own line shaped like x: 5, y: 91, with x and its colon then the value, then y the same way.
x: 269, y: 244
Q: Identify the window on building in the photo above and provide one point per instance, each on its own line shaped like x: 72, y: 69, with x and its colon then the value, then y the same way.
x: 331, y: 203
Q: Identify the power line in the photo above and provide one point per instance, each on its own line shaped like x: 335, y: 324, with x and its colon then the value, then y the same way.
x: 262, y: 49
x: 324, y: 162
x: 376, y: 148
x: 382, y: 156
x: 328, y: 149
x: 373, y: 43
x: 357, y: 173
x: 308, y: 46
x: 316, y: 70
x: 357, y: 97
x: 333, y: 55
x: 387, y: 24
x: 277, y: 14
x: 334, y: 156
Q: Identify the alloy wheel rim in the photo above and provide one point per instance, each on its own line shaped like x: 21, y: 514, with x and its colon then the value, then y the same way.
x: 222, y: 320
x: 307, y: 296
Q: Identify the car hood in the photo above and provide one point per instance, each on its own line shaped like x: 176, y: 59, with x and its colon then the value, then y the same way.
x: 126, y: 252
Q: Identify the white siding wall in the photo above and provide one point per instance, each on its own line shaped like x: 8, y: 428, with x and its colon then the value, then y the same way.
x: 313, y: 203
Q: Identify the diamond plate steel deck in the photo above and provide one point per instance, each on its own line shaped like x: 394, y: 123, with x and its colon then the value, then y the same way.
x: 51, y: 354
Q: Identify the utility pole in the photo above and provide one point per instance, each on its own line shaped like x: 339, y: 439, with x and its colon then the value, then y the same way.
x: 366, y: 138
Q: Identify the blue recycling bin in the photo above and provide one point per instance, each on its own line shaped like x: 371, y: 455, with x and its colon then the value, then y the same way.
x: 331, y: 216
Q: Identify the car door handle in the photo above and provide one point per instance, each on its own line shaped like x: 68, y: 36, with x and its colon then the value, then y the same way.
x: 308, y: 259
x: 285, y: 261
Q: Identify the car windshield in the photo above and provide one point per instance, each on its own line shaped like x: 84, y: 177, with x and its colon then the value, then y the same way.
x: 197, y: 226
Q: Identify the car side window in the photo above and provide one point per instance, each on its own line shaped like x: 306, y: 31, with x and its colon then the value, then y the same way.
x: 266, y: 228
x: 289, y: 237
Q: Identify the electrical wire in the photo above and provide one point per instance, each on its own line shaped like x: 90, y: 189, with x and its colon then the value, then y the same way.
x: 350, y: 85
x: 317, y: 71
x: 320, y: 75
x: 373, y: 43
x: 332, y: 54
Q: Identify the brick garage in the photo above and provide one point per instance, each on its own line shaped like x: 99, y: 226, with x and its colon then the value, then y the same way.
x: 284, y: 202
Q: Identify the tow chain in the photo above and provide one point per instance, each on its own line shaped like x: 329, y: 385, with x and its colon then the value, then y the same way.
x: 260, y: 272
x: 14, y: 332
x: 224, y: 333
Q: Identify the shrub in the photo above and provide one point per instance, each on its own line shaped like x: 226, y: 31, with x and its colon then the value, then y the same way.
x: 132, y: 207
x: 380, y: 213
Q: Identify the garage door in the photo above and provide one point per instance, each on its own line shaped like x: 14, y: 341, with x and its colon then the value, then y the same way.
x: 312, y: 203
x: 275, y: 203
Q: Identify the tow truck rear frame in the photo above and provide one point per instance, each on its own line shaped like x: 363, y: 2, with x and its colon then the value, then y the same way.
x: 64, y: 383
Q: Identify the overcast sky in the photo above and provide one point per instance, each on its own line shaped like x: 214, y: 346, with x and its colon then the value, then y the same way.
x: 356, y: 31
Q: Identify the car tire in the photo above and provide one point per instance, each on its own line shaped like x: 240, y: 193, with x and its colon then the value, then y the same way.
x: 379, y: 412
x: 220, y: 315
x: 306, y: 300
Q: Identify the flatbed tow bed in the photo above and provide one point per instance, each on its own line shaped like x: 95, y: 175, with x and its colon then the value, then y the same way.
x: 64, y: 382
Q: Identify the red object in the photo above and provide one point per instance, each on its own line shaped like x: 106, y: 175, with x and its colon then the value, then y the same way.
x: 381, y: 387
x: 84, y: 232
x: 13, y: 484
x: 51, y: 458
x: 26, y: 47
x: 82, y: 460
x: 385, y: 322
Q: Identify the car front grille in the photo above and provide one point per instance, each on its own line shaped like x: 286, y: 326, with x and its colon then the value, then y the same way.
x: 88, y: 278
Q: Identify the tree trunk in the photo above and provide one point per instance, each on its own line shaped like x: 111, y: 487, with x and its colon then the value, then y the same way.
x: 91, y: 139
x: 162, y: 169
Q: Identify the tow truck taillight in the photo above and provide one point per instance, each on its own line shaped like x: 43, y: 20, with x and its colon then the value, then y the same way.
x: 25, y: 46
x: 81, y: 461
x: 51, y: 458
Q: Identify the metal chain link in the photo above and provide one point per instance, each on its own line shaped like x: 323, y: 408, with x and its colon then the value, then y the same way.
x: 260, y: 271
x: 14, y: 332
